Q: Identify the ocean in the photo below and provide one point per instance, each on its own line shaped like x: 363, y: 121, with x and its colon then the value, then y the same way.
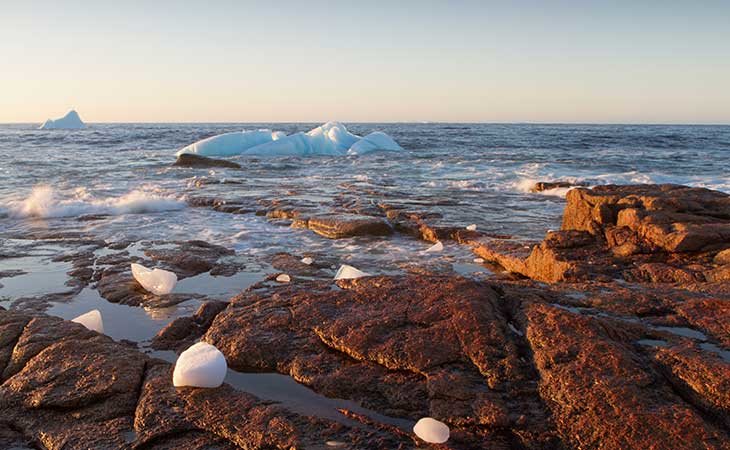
x: 115, y: 182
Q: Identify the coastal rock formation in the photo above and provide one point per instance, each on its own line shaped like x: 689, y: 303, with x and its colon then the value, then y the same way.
x: 72, y: 388
x: 649, y: 233
x: 502, y: 362
x: 193, y: 160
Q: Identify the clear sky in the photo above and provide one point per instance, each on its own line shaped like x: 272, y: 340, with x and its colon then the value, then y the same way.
x: 481, y: 61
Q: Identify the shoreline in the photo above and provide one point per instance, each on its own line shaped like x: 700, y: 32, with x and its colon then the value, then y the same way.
x: 628, y: 301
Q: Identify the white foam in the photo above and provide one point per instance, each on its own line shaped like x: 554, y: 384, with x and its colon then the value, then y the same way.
x: 307, y: 260
x: 91, y: 320
x: 71, y: 121
x: 431, y: 430
x: 346, y: 272
x: 472, y: 227
x: 44, y: 203
x: 156, y: 281
x: 201, y: 365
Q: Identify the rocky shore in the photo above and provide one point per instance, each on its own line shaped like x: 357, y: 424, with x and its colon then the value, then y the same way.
x: 610, y: 333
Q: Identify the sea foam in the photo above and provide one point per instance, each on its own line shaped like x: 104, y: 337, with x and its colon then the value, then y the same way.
x: 43, y: 202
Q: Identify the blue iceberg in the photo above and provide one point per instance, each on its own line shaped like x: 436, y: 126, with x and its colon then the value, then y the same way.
x: 71, y: 121
x: 330, y: 139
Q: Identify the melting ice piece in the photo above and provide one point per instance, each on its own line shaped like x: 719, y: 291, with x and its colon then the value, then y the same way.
x: 479, y: 260
x: 472, y: 227
x: 331, y: 139
x: 228, y: 144
x: 201, y: 365
x: 307, y: 260
x: 372, y: 142
x: 431, y: 430
x: 346, y: 272
x: 71, y: 121
x: 91, y: 320
x: 283, y: 278
x: 156, y: 281
x: 437, y: 247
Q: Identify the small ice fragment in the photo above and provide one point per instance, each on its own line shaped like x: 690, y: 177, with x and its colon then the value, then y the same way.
x: 307, y: 260
x: 335, y: 444
x: 431, y: 430
x: 479, y: 260
x: 437, y: 247
x: 91, y: 320
x: 201, y: 365
x: 156, y: 281
x: 514, y: 330
x: 472, y: 227
x: 346, y: 272
x: 283, y: 278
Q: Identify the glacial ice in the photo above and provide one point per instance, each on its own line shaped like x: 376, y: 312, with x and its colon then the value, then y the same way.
x: 307, y: 260
x: 437, y: 247
x: 91, y: 320
x: 374, y: 141
x: 329, y: 139
x: 71, y: 121
x: 431, y: 430
x: 156, y: 281
x: 346, y: 272
x: 229, y: 144
x: 201, y: 365
x: 283, y: 278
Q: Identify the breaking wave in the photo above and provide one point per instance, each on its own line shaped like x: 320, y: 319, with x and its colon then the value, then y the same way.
x: 43, y: 202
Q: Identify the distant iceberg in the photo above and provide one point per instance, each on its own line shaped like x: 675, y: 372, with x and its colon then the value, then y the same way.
x: 330, y: 139
x: 71, y: 121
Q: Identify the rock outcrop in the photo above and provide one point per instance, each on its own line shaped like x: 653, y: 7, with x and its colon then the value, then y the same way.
x: 192, y: 160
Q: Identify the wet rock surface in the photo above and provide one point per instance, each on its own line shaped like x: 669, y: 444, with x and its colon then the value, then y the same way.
x: 613, y: 332
x: 191, y: 160
x: 72, y: 388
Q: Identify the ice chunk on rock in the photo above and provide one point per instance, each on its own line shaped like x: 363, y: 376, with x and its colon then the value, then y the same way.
x: 91, y: 320
x: 437, y: 247
x: 71, y: 121
x: 346, y: 272
x: 283, y: 278
x: 472, y: 227
x: 201, y: 365
x: 479, y: 260
x: 156, y: 281
x: 372, y: 142
x: 307, y: 260
x: 431, y: 430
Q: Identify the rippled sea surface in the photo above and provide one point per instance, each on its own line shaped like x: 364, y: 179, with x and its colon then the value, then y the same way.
x: 122, y: 168
x: 115, y: 182
x: 470, y: 173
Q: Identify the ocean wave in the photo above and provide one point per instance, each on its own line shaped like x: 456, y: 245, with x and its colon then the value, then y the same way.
x: 43, y: 202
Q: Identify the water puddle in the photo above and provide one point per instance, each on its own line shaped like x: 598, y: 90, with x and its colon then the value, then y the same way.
x: 121, y: 321
x: 296, y: 397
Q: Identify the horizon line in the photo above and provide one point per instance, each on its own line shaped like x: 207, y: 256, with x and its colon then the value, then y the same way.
x: 415, y: 122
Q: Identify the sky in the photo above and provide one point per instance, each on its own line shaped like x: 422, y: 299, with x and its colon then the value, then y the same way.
x: 366, y: 61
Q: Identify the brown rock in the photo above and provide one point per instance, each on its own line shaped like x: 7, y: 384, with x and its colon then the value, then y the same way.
x: 602, y: 395
x: 348, y: 225
x: 541, y: 186
x: 409, y: 346
x: 192, y: 160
